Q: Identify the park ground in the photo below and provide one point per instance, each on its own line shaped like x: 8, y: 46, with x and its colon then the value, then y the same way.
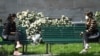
x: 71, y: 49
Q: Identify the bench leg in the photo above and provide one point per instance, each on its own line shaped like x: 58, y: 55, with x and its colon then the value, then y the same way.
x: 23, y: 49
x: 48, y: 48
x: 26, y: 48
x: 47, y: 51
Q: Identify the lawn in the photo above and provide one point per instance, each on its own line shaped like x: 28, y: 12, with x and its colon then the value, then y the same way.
x: 59, y: 49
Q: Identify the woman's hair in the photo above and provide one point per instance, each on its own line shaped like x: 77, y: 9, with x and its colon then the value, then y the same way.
x: 10, y: 16
x: 89, y: 14
x: 13, y: 15
x: 90, y: 17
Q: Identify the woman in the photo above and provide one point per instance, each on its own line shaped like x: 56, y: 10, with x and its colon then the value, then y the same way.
x: 91, y: 29
x: 11, y: 32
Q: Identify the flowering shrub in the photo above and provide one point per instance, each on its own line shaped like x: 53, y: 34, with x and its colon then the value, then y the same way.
x: 97, y: 15
x: 33, y: 21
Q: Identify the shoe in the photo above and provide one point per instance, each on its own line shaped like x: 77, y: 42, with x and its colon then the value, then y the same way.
x: 87, y: 46
x: 18, y: 46
x: 83, y: 51
x: 0, y: 46
x: 17, y: 53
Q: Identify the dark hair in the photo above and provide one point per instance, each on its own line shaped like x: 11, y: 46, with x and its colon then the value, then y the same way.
x: 13, y: 15
x: 89, y: 14
x: 10, y: 16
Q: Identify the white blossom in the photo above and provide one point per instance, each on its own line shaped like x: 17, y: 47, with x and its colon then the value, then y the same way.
x: 40, y: 14
x: 33, y: 21
x: 25, y: 12
x: 66, y: 18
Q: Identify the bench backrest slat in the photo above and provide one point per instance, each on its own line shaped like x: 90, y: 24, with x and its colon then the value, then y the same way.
x: 62, y: 34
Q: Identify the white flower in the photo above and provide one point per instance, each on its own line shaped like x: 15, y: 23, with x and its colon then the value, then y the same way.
x: 26, y: 25
x: 23, y: 21
x: 25, y: 12
x: 62, y: 16
x: 27, y: 31
x: 23, y: 25
x: 32, y: 25
x: 20, y: 17
x: 31, y: 31
x: 37, y: 21
x: 30, y: 15
x: 40, y: 14
x: 33, y: 21
x: 97, y: 13
x: 47, y: 18
x: 27, y: 22
x: 37, y: 17
x: 66, y: 18
x: 39, y: 24
x: 29, y: 37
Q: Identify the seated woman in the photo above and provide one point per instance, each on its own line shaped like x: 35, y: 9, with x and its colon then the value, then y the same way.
x: 91, y: 29
x: 10, y: 33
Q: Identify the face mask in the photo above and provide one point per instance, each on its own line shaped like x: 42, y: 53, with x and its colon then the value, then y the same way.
x: 86, y: 17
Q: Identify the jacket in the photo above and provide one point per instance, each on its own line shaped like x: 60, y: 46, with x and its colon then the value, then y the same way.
x: 9, y: 27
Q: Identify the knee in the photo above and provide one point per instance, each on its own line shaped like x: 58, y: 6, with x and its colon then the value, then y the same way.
x: 17, y: 33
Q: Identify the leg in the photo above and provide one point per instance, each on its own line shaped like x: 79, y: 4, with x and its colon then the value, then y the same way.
x: 18, y: 44
x: 16, y: 52
x: 85, y: 42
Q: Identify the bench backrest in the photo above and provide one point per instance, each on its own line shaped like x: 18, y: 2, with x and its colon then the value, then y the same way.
x: 22, y: 31
x: 62, y: 34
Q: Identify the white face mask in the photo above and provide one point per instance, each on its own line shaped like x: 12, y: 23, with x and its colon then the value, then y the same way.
x: 86, y: 17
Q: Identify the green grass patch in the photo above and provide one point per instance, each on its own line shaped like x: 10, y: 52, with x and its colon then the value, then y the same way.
x: 59, y: 49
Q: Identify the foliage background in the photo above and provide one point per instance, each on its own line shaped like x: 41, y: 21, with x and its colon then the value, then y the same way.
x: 97, y: 15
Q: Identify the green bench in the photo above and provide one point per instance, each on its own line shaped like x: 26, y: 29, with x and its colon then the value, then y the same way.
x: 23, y: 38
x: 52, y: 34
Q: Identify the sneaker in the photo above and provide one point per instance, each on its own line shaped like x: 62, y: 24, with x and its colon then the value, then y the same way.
x: 0, y: 46
x: 87, y: 46
x: 17, y: 53
x: 83, y: 51
x: 18, y: 46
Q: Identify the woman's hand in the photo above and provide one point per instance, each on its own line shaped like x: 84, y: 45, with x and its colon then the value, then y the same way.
x: 87, y: 30
x: 81, y: 33
x: 12, y: 32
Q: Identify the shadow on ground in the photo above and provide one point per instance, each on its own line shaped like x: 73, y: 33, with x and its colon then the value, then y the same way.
x: 3, y: 53
x: 69, y: 54
x: 77, y: 54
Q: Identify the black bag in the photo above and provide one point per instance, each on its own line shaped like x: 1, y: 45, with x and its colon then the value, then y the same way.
x: 4, y: 32
x: 95, y: 37
x: 4, y: 36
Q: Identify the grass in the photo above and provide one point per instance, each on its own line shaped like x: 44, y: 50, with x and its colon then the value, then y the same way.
x: 59, y: 49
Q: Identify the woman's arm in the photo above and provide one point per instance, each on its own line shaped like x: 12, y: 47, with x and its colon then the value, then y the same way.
x: 92, y: 27
x: 12, y: 32
x: 7, y: 28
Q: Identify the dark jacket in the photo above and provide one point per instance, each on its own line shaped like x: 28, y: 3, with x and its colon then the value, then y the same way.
x: 9, y: 27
